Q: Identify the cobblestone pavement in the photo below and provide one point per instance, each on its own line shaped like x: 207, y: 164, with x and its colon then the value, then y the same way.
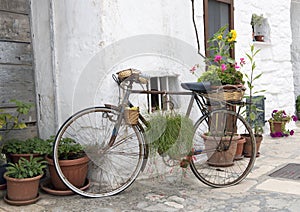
x: 178, y: 192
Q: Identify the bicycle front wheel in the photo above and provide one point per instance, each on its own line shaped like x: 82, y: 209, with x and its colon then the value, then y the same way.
x: 216, y: 139
x: 112, y: 167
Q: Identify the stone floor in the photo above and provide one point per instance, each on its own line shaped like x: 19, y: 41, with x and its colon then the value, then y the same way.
x: 183, y: 192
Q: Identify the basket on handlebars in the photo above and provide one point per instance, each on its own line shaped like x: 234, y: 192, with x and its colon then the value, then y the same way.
x: 131, y: 115
x: 227, y: 93
x: 124, y: 74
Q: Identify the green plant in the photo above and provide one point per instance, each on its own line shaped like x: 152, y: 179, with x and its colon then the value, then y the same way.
x: 251, y: 78
x: 68, y: 149
x: 170, y: 134
x: 257, y: 19
x: 9, y: 121
x: 298, y: 104
x: 29, y: 146
x: 26, y: 168
x: 222, y: 69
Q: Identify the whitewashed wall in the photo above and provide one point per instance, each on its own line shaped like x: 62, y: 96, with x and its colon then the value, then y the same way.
x: 295, y: 23
x: 274, y: 59
x: 80, y: 43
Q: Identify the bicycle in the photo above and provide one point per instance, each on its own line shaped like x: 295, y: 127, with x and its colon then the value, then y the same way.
x: 118, y: 151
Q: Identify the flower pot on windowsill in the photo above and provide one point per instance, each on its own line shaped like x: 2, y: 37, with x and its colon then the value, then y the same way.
x: 259, y: 38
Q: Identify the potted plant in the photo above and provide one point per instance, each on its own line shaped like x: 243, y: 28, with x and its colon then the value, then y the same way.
x: 8, y: 122
x: 252, y: 110
x: 73, y: 162
x: 15, y: 149
x: 223, y: 72
x: 256, y: 23
x: 23, y: 180
x: 170, y: 134
x: 278, y: 123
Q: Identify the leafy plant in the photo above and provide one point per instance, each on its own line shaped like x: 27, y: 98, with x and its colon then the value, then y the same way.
x: 222, y: 69
x: 251, y: 79
x: 9, y: 121
x: 26, y: 168
x: 257, y: 19
x: 68, y: 149
x: 298, y: 104
x: 170, y: 134
x: 29, y: 146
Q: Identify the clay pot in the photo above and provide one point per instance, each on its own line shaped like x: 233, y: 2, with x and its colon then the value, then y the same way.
x: 22, y: 191
x: 247, y: 145
x: 74, y: 170
x: 239, y: 148
x: 259, y: 38
x: 220, y: 158
x: 276, y: 126
x: 14, y: 158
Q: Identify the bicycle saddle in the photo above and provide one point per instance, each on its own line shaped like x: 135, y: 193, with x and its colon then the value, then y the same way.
x: 201, y: 87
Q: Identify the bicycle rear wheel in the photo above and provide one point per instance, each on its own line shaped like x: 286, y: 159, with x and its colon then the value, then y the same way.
x: 112, y: 168
x: 214, y: 149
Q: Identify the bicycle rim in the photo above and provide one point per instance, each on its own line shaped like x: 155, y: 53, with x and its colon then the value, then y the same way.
x: 213, y: 165
x: 111, y: 169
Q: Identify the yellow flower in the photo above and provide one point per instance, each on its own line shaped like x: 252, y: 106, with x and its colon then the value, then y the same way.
x: 232, y: 36
x: 133, y: 108
x: 220, y: 37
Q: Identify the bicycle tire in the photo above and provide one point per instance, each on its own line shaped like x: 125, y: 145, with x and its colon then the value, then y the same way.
x: 111, y: 169
x: 213, y: 166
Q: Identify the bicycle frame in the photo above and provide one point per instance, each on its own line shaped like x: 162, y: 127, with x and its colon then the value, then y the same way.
x: 195, y: 97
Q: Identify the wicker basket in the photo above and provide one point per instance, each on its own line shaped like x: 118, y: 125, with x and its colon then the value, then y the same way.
x: 227, y: 93
x: 122, y: 75
x: 131, y: 116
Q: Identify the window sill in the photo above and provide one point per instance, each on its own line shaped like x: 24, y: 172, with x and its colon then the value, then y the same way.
x: 264, y: 43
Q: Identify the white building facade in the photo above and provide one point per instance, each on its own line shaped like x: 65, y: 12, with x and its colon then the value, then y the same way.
x: 79, y: 44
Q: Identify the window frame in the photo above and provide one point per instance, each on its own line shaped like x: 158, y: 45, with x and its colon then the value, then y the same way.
x: 164, y: 102
x: 206, y: 21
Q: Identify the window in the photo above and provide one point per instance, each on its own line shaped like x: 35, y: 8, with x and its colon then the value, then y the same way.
x: 159, y: 101
x: 217, y: 13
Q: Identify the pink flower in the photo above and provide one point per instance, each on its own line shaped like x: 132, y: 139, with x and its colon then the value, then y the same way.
x: 242, y: 61
x: 223, y: 67
x: 193, y: 69
x: 294, y: 118
x: 218, y: 58
x: 292, y: 132
x: 236, y: 66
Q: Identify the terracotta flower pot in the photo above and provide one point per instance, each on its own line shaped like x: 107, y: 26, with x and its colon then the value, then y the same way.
x: 276, y: 126
x: 259, y: 38
x: 239, y: 148
x: 74, y: 170
x: 220, y: 158
x: 247, y: 145
x: 22, y: 190
x: 14, y: 158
